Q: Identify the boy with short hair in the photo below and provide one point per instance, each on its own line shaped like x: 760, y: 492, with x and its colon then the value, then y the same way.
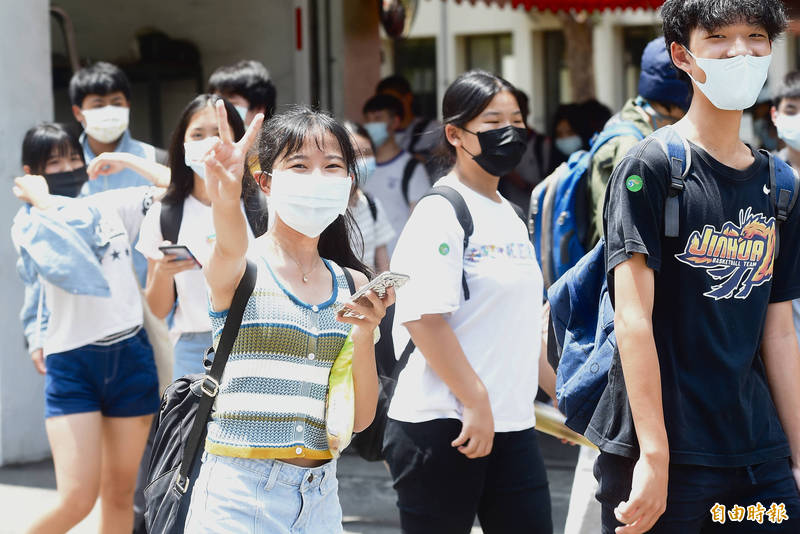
x: 101, y: 101
x: 700, y: 422
x: 247, y: 85
x: 399, y: 180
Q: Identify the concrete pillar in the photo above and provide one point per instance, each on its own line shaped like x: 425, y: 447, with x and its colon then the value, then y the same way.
x: 361, y: 61
x: 607, y: 60
x: 26, y: 93
x: 523, y: 53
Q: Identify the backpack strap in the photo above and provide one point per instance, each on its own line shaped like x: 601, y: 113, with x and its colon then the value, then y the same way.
x: 170, y: 221
x: 679, y: 156
x: 464, y: 219
x: 210, y: 386
x: 784, y: 187
x: 408, y: 172
x: 373, y: 208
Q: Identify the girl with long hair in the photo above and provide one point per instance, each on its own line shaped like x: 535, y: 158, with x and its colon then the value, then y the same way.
x: 460, y: 440
x: 267, y: 466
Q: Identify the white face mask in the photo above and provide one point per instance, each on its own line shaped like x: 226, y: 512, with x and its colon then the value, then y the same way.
x: 308, y: 203
x: 789, y: 129
x: 195, y: 151
x: 733, y: 83
x: 366, y: 166
x: 106, y: 124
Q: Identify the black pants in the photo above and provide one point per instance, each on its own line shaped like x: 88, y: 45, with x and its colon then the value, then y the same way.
x: 440, y: 491
x: 694, y: 492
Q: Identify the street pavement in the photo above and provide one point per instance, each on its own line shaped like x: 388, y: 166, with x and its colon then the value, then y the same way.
x: 365, y: 491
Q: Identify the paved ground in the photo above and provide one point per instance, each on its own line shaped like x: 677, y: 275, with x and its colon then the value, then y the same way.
x: 365, y: 492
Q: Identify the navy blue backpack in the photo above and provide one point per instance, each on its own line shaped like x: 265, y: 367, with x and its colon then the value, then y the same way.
x: 560, y: 216
x: 581, y: 312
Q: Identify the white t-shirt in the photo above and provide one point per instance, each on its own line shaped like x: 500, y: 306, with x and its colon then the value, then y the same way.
x: 374, y: 232
x: 385, y: 185
x: 196, y: 232
x: 78, y: 320
x: 499, y: 327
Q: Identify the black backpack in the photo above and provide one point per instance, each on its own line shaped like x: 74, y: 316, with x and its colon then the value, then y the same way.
x: 369, y: 442
x: 180, y: 427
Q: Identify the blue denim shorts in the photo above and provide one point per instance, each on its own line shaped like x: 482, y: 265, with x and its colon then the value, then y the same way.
x: 244, y: 496
x: 118, y: 380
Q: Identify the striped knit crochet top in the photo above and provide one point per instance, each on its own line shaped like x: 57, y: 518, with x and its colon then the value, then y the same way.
x: 271, y: 401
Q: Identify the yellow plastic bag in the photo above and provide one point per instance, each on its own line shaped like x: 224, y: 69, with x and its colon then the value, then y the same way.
x: 340, y: 410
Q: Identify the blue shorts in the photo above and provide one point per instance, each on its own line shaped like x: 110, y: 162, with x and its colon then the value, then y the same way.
x: 189, y: 352
x: 118, y: 380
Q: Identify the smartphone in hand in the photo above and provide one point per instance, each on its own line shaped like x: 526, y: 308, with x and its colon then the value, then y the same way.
x: 378, y: 285
x: 180, y: 252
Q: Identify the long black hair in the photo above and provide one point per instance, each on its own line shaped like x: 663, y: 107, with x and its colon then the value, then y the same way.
x: 182, y: 177
x: 464, y: 100
x: 286, y: 133
x: 39, y: 142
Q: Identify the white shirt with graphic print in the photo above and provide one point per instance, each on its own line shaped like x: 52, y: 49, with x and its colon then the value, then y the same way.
x: 499, y: 327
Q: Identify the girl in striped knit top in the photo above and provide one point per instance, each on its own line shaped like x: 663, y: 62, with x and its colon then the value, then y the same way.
x: 267, y: 467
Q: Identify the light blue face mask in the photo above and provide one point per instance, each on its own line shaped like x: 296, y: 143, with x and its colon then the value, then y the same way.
x: 378, y: 132
x: 242, y: 110
x: 568, y: 145
x: 364, y: 168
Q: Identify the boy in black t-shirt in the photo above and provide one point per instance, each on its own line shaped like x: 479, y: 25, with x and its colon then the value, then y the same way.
x: 699, y: 426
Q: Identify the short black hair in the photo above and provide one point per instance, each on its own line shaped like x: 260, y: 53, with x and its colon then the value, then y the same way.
x: 249, y: 79
x: 789, y: 88
x: 102, y: 79
x: 682, y: 16
x: 356, y: 128
x: 39, y: 142
x: 397, y: 83
x: 384, y: 103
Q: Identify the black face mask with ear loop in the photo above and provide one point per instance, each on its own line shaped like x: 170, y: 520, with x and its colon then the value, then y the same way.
x: 501, y: 149
x: 67, y: 184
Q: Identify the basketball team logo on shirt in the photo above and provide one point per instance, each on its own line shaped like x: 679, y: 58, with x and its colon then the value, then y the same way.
x: 739, y: 257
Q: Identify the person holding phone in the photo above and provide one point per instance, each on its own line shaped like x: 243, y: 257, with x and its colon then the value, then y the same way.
x: 460, y: 438
x: 175, y: 282
x: 267, y: 466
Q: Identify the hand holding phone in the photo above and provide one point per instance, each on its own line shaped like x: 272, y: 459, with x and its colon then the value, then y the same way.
x: 180, y: 253
x: 378, y: 285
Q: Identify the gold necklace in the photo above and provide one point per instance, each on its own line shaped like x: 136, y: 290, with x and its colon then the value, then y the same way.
x: 300, y: 267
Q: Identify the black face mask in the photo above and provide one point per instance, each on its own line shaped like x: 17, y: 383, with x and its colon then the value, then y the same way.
x: 66, y: 184
x: 501, y: 149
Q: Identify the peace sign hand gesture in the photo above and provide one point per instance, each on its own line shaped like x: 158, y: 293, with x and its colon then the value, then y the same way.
x: 225, y: 161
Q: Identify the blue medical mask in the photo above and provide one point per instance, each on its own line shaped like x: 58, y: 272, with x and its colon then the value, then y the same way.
x: 568, y: 145
x: 655, y: 115
x: 242, y: 110
x: 364, y: 168
x: 378, y: 132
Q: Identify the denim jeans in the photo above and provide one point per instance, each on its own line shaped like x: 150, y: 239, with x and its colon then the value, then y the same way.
x: 189, y: 352
x: 244, y: 496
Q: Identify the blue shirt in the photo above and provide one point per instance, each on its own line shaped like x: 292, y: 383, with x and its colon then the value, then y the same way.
x: 124, y: 178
